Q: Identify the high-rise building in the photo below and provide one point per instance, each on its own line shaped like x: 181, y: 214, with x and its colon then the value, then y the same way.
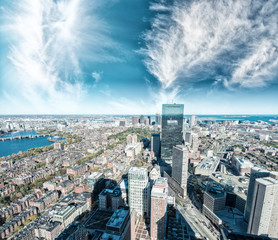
x: 192, y: 121
x: 188, y: 137
x: 135, y: 120
x: 139, y: 190
x: 159, y: 197
x: 180, y: 166
x: 157, y: 119
x: 150, y: 120
x: 195, y: 142
x: 172, y: 129
x: 264, y: 211
x: 142, y: 119
x: 155, y: 144
x: 255, y: 173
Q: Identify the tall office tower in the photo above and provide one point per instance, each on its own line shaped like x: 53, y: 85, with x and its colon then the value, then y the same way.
x: 172, y: 129
x: 192, y: 121
x: 180, y: 166
x: 139, y: 190
x: 135, y: 120
x: 159, y: 197
x: 150, y: 120
x: 264, y: 211
x: 255, y: 173
x: 142, y: 119
x: 157, y: 119
x: 188, y: 137
x: 155, y: 144
x: 195, y: 142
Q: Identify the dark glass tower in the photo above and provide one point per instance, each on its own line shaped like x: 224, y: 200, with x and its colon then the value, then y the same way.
x: 172, y: 129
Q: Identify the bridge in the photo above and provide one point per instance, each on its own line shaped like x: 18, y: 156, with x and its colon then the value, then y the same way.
x: 23, y: 137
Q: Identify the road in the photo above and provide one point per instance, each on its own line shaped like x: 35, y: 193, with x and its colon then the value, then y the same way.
x: 197, y: 221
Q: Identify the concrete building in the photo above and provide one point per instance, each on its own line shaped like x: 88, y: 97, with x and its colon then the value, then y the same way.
x: 155, y: 144
x: 264, y: 211
x: 195, y: 142
x: 110, y: 199
x: 95, y: 183
x: 159, y: 197
x: 214, y: 200
x: 132, y: 150
x: 180, y: 166
x: 192, y: 121
x: 135, y: 120
x: 242, y: 166
x: 207, y: 166
x: 188, y: 137
x: 255, y: 174
x: 157, y: 119
x: 172, y: 130
x: 139, y: 190
x: 142, y: 119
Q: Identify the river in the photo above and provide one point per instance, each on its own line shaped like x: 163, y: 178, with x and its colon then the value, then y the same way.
x: 17, y: 145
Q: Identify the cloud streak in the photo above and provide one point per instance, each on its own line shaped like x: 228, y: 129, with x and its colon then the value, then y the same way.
x: 48, y: 41
x: 232, y: 42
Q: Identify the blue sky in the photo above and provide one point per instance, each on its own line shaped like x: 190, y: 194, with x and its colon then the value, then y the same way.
x: 130, y: 56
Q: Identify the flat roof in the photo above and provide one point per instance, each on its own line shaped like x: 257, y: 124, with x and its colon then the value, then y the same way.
x: 209, y: 163
x: 267, y: 181
x: 95, y: 175
x: 117, y: 218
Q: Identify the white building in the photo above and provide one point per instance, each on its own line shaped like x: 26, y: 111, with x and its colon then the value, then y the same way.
x: 139, y: 190
x: 241, y: 165
x: 192, y: 121
x: 264, y: 211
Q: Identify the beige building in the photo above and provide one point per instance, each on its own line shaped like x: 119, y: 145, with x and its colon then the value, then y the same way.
x: 264, y: 211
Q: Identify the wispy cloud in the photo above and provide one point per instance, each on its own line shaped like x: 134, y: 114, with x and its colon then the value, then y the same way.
x: 96, y: 76
x: 48, y: 40
x: 233, y: 42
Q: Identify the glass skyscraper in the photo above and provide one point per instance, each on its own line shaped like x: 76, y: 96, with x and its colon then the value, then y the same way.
x: 172, y: 129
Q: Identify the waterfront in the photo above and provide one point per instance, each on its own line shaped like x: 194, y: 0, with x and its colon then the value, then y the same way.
x: 17, y: 145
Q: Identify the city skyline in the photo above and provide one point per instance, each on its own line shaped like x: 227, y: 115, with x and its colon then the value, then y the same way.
x: 129, y: 57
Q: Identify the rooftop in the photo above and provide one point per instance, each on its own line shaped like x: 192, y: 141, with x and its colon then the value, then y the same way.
x: 267, y: 181
x: 117, y: 218
x: 95, y: 175
x: 209, y: 163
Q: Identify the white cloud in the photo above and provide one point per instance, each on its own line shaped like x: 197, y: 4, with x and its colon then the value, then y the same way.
x: 48, y: 39
x: 196, y: 38
x: 96, y: 76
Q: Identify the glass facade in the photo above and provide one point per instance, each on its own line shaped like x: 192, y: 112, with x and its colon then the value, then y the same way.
x: 172, y: 129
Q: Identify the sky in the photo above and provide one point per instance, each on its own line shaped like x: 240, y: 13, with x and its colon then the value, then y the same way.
x: 130, y: 56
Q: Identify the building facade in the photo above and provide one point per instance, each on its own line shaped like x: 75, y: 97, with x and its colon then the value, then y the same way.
x: 264, y: 211
x: 139, y: 190
x: 155, y: 144
x: 255, y: 173
x: 159, y: 197
x: 172, y: 129
x: 180, y: 165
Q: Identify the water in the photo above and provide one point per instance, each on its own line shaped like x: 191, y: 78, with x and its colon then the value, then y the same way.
x: 251, y: 118
x: 21, y: 133
x: 17, y: 145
